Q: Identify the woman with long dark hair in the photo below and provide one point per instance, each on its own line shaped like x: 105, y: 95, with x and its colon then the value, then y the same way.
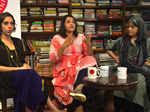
x: 16, y: 77
x: 133, y: 51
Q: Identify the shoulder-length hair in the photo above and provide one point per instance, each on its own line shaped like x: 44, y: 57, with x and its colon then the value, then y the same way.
x: 138, y: 21
x: 62, y: 30
x: 3, y: 16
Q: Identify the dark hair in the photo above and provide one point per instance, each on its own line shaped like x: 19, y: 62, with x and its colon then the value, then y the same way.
x: 3, y: 16
x: 62, y: 30
x: 138, y: 21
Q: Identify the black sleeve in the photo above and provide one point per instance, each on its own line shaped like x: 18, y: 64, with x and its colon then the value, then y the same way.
x: 20, y: 50
x: 3, y: 56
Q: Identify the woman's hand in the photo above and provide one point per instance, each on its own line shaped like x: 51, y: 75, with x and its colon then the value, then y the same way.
x: 25, y: 66
x: 117, y: 59
x: 88, y: 39
x: 68, y: 41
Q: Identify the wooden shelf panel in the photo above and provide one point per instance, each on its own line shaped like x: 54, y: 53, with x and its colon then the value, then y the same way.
x: 40, y: 17
x: 138, y: 6
x: 49, y: 35
x: 98, y: 37
x: 98, y: 7
x: 38, y: 35
x: 103, y: 20
x: 44, y: 5
x: 98, y: 49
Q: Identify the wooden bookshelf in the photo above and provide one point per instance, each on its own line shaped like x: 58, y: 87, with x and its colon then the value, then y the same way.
x: 48, y: 35
x: 38, y: 35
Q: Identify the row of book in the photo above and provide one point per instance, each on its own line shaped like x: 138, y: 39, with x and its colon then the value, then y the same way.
x: 37, y: 11
x: 77, y: 13
x: 87, y: 27
x: 39, y: 26
x: 40, y: 59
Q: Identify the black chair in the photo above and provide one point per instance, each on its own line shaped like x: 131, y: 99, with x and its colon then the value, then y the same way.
x: 4, y: 95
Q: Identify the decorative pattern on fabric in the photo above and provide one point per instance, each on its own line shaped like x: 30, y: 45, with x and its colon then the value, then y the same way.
x: 65, y: 71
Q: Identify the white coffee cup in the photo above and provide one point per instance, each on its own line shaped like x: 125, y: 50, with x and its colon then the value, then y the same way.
x: 122, y: 72
x: 92, y: 72
x: 104, y: 71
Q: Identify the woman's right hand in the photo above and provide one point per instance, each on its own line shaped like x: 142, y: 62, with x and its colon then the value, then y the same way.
x: 68, y: 41
x: 25, y: 66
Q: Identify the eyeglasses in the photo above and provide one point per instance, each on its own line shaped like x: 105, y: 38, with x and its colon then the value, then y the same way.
x: 6, y: 23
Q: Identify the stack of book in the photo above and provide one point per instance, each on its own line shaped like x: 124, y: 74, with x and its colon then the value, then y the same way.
x: 116, y: 30
x: 97, y: 43
x: 58, y: 22
x: 80, y: 26
x: 105, y: 59
x: 62, y: 11
x: 50, y: 1
x: 24, y: 12
x: 50, y: 11
x: 63, y: 1
x: 76, y: 2
x: 101, y: 14
x: 24, y: 26
x: 30, y: 1
x: 89, y: 13
x: 77, y: 13
x: 42, y: 64
x: 103, y: 2
x: 131, y: 11
x: 35, y: 11
x: 132, y: 2
x: 102, y: 30
x: 90, y: 2
x: 116, y: 2
x: 48, y: 26
x: 36, y: 26
x: 115, y: 13
x: 90, y: 28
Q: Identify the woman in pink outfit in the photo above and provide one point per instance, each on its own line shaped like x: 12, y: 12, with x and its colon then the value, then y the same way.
x: 70, y: 52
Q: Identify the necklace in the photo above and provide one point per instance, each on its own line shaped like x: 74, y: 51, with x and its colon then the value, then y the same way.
x: 13, y: 57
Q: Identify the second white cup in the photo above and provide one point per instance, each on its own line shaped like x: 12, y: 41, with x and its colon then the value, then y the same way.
x: 104, y: 71
x: 122, y: 72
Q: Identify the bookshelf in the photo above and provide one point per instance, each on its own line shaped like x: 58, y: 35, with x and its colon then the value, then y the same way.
x: 48, y: 35
x: 109, y: 20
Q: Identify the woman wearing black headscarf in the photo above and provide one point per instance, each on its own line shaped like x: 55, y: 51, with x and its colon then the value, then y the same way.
x: 132, y: 51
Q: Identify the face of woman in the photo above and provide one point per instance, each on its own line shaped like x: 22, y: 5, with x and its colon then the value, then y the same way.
x: 70, y: 24
x: 7, y: 26
x: 131, y: 29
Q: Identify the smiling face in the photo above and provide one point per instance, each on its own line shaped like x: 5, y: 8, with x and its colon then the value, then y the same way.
x: 69, y: 24
x: 7, y: 26
x: 131, y: 29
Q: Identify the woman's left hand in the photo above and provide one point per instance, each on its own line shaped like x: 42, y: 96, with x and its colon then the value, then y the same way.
x: 26, y: 66
x: 88, y: 39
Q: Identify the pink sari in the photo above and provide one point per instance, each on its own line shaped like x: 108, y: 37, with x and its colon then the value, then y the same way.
x: 65, y: 71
